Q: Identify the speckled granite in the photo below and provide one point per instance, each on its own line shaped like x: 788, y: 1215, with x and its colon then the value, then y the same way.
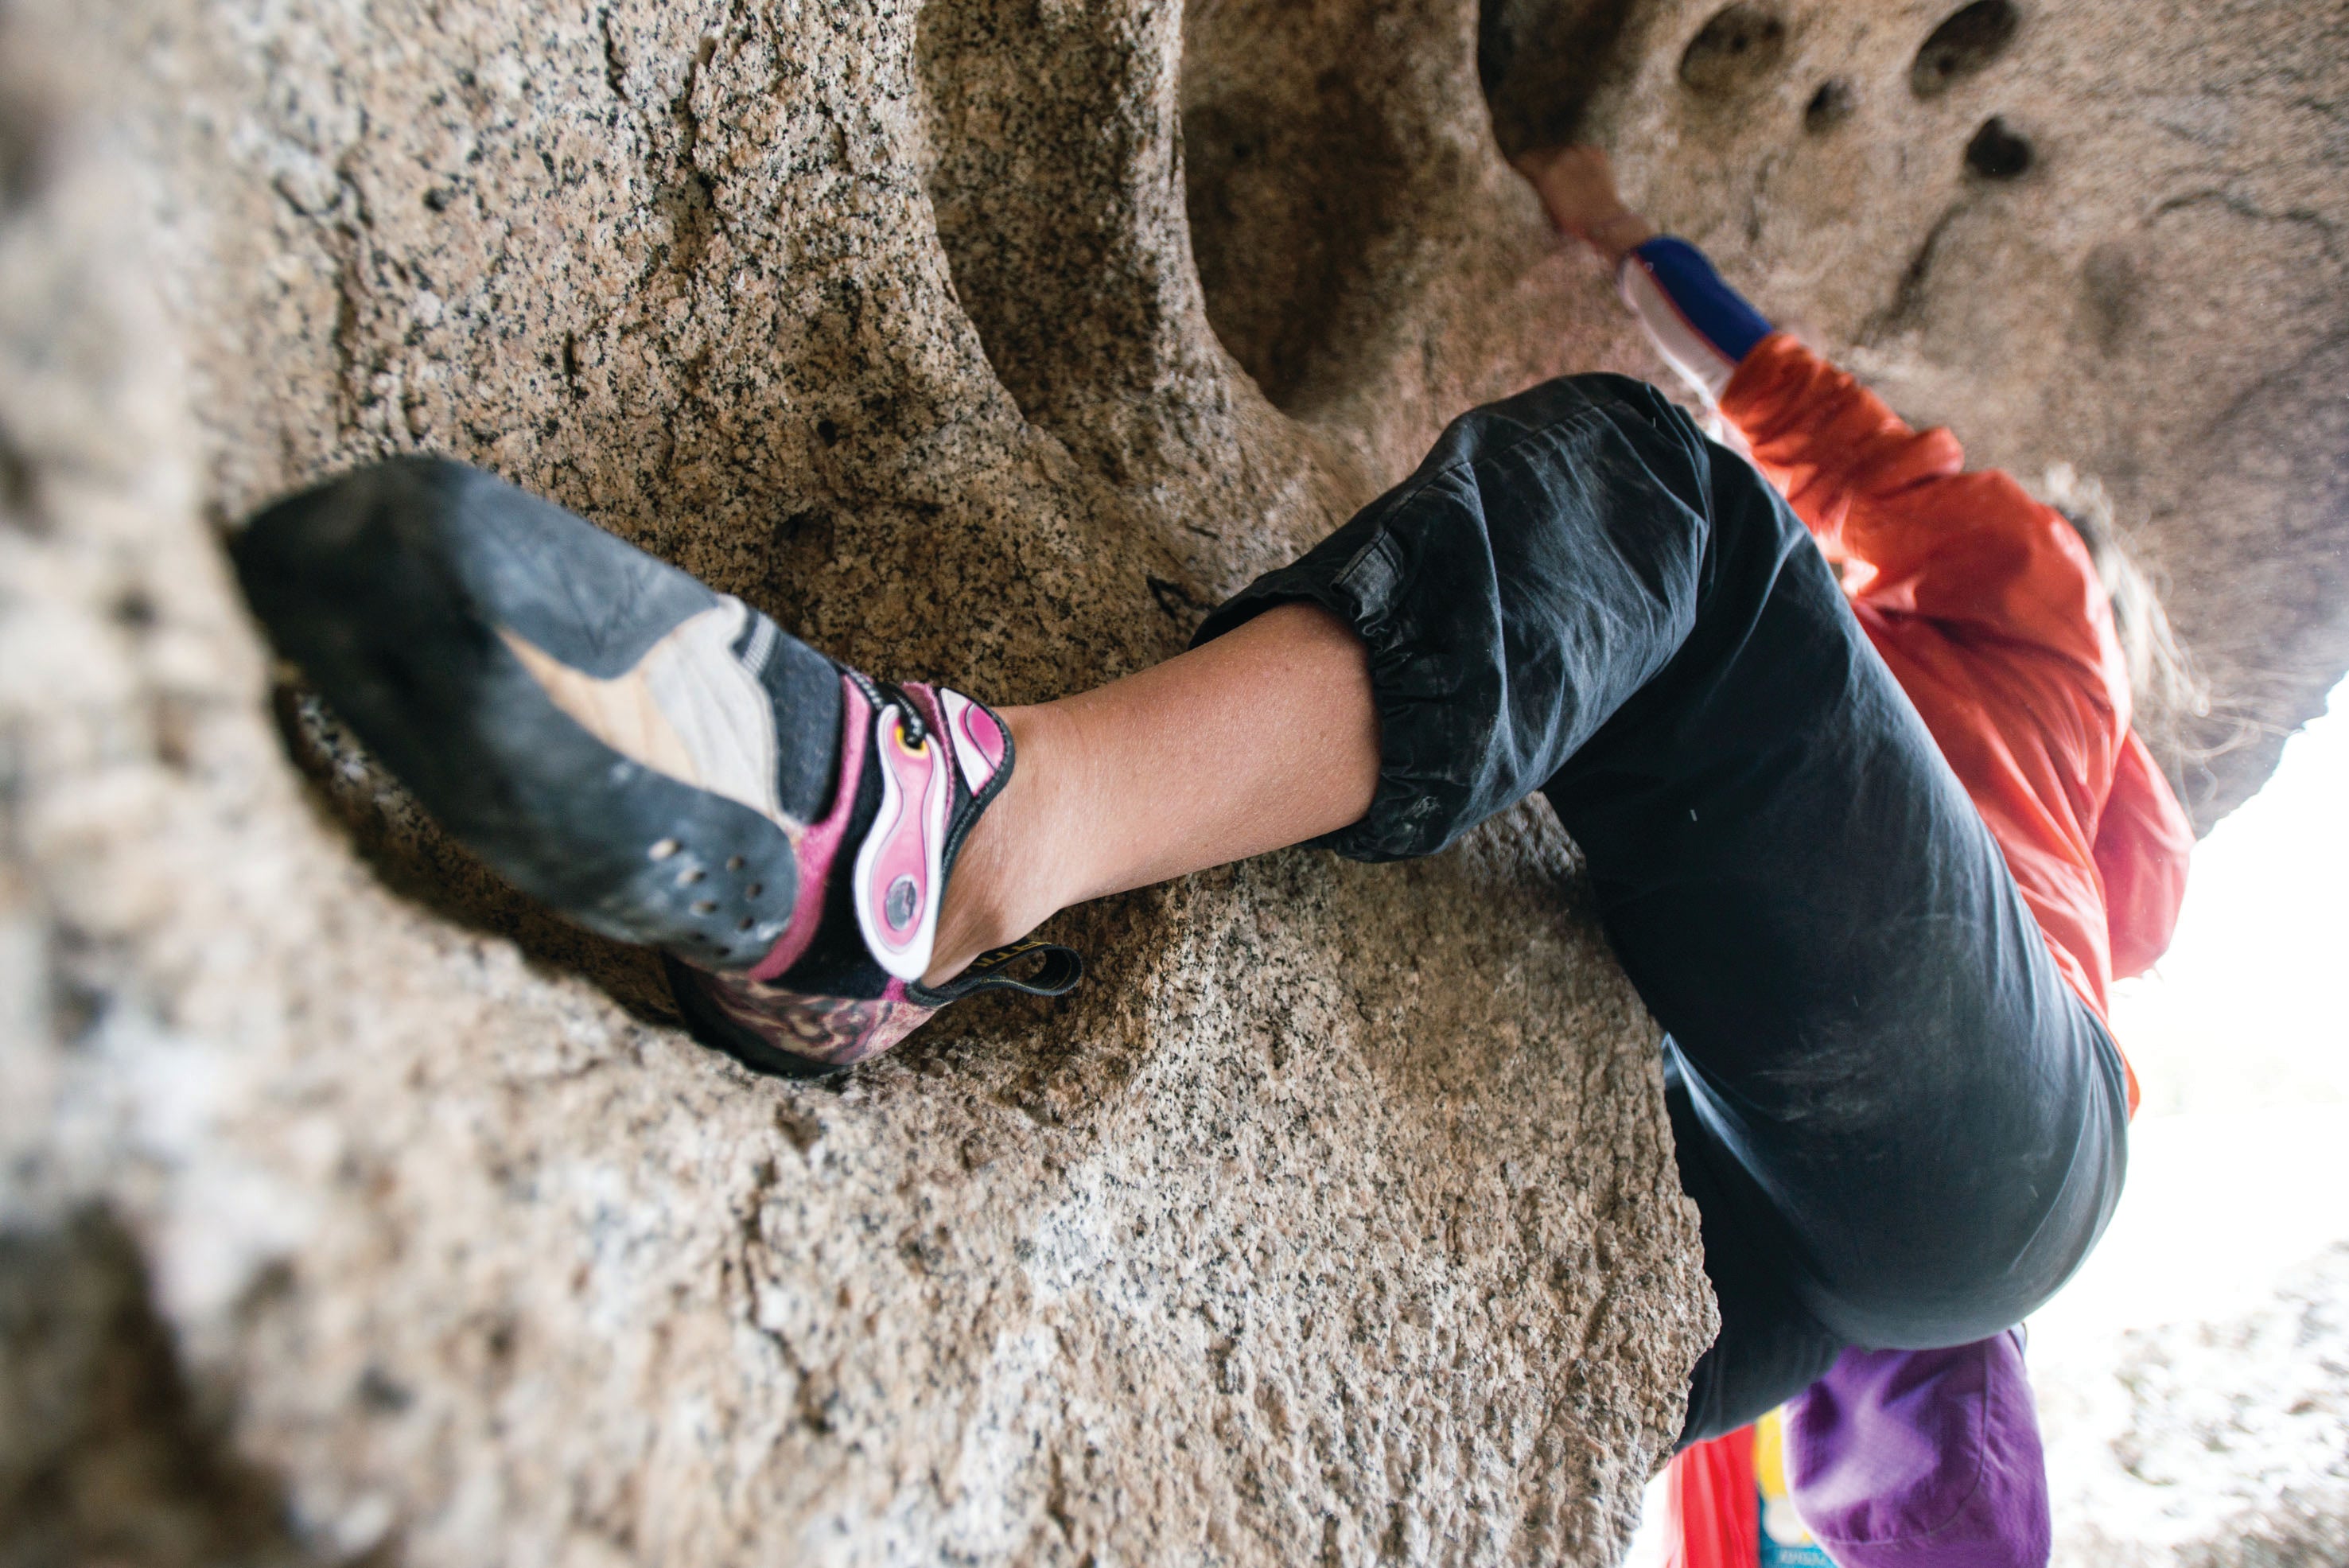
x: 1333, y: 1221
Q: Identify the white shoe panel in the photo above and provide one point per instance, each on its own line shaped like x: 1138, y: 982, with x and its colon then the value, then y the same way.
x: 689, y: 709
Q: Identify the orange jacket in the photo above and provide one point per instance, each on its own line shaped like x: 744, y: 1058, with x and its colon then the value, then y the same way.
x: 1988, y: 610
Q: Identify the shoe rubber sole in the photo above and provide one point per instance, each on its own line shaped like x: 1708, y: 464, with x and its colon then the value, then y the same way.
x: 461, y: 627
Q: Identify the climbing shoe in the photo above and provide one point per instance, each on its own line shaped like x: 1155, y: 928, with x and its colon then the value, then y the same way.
x: 653, y: 758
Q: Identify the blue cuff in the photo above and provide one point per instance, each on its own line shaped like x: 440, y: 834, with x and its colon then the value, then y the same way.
x: 1718, y: 311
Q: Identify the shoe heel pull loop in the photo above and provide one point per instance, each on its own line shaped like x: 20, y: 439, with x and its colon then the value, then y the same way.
x: 1058, y: 974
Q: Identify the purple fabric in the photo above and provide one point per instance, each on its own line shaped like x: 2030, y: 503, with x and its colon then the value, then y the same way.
x: 1922, y: 1459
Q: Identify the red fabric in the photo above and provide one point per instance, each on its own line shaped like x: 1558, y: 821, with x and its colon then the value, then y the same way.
x: 1988, y: 610
x: 1715, y: 1509
x: 2142, y: 845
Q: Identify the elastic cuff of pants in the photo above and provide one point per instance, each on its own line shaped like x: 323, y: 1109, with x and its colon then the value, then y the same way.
x: 1406, y: 817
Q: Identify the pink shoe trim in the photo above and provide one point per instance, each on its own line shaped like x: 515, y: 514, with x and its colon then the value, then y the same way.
x: 899, y: 866
x: 837, y: 1031
x: 978, y: 739
x: 819, y: 847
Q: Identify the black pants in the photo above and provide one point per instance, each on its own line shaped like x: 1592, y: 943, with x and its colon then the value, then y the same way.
x: 1901, y: 1126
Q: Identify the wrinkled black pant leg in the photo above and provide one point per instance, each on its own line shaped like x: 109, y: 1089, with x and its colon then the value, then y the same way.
x: 1900, y: 1126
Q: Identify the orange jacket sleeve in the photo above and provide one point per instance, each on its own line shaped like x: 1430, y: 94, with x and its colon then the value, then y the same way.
x: 1988, y: 610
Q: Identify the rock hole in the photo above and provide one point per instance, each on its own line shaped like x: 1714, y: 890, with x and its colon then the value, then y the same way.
x: 135, y: 610
x: 1541, y: 64
x: 690, y: 876
x: 1829, y: 107
x: 1295, y: 171
x: 705, y: 906
x: 1740, y: 42
x: 1057, y: 269
x: 1280, y: 256
x: 1998, y: 152
x: 745, y: 923
x: 754, y: 889
x: 735, y: 863
x: 1967, y: 41
x: 379, y: 1394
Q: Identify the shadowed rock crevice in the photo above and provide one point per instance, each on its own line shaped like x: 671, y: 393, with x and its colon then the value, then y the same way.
x: 1277, y: 264
x: 1829, y: 107
x: 1539, y: 61
x: 1740, y: 47
x: 1355, y: 226
x: 1969, y: 40
x: 1054, y: 180
x: 104, y: 1454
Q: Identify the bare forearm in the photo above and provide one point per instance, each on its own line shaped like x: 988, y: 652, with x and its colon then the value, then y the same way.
x: 1578, y: 190
x: 1698, y: 323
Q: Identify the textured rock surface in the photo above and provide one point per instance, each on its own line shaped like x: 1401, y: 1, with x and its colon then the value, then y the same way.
x: 1335, y: 1219
x: 354, y: 1210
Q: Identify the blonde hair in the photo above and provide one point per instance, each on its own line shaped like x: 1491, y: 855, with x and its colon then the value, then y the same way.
x: 2167, y: 693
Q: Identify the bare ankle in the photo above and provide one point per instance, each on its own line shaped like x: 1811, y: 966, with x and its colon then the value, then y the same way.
x: 1001, y: 887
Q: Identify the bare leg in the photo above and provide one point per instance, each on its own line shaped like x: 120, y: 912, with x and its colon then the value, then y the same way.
x: 1264, y: 737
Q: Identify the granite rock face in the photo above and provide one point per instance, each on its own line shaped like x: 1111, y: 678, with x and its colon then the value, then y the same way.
x: 355, y: 1211
x: 352, y: 1210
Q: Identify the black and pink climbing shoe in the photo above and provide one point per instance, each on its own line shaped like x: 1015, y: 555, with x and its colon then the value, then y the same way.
x: 653, y: 758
